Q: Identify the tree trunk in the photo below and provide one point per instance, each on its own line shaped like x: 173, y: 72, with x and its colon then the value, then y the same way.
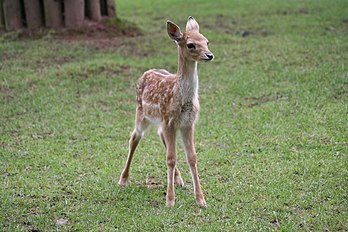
x: 33, y: 13
x: 2, y: 19
x: 12, y: 13
x: 53, y: 13
x: 74, y: 12
x: 95, y: 11
x: 111, y: 8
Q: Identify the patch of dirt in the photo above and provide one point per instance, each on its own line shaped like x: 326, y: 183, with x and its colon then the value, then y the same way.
x: 257, y: 32
x: 8, y: 92
x: 300, y: 11
x: 6, y: 89
x: 5, y: 56
x: 3, y: 145
x: 221, y: 23
x: 30, y: 227
x: 340, y: 95
x: 341, y: 91
x: 156, y: 204
x: 255, y: 101
x: 103, y: 34
x: 151, y: 182
x: 62, y: 221
x: 107, y: 71
x: 225, y: 23
x: 110, y: 70
x: 274, y: 222
x: 230, y: 25
x: 45, y: 62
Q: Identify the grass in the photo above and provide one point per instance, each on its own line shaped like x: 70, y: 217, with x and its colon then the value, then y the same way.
x: 271, y: 138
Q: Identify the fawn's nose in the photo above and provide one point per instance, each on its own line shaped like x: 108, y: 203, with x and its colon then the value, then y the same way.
x: 209, y: 55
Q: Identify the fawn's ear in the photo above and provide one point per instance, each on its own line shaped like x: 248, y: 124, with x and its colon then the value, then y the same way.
x: 174, y: 31
x: 192, y: 24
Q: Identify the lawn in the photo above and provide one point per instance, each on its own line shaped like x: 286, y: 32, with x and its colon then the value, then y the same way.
x: 271, y: 138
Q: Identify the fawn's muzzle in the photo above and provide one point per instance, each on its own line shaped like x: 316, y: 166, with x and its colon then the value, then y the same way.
x: 209, y: 55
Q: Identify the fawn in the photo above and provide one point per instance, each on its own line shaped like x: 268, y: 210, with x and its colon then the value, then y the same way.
x: 171, y: 101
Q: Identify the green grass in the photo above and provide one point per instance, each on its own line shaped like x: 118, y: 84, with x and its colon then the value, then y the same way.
x: 271, y: 138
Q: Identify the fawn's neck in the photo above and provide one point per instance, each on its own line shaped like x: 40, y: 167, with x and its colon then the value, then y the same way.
x: 187, y: 77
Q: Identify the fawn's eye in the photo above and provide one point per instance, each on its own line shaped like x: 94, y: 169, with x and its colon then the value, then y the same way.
x: 191, y: 45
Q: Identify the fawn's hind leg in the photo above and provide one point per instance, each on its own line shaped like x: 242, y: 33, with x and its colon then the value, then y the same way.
x: 133, y: 143
x: 169, y: 136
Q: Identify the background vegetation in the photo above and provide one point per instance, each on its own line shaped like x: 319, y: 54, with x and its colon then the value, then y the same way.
x: 271, y: 138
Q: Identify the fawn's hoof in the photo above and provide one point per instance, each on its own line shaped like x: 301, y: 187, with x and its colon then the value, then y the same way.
x: 178, y: 180
x: 170, y: 203
x: 170, y: 200
x: 123, y: 181
x: 201, y: 203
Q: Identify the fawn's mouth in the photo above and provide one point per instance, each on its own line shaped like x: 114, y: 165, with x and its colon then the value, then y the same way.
x: 207, y: 59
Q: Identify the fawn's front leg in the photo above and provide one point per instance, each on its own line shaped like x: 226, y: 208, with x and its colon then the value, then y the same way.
x: 187, y: 134
x: 177, y: 178
x: 169, y: 135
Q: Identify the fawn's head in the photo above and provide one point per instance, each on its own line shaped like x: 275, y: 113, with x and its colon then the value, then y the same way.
x: 194, y: 45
